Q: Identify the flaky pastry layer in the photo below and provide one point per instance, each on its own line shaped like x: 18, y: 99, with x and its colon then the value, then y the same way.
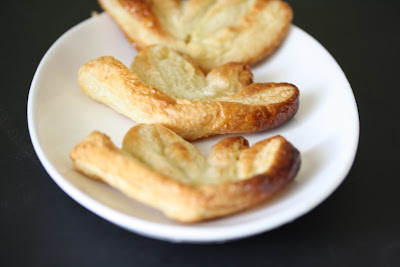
x: 211, y: 32
x: 157, y: 167
x: 166, y: 87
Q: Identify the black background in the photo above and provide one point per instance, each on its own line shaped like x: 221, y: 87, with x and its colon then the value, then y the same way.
x: 359, y: 225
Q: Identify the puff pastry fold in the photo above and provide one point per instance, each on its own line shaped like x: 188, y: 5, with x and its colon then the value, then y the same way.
x: 159, y: 168
x: 211, y: 32
x: 166, y: 87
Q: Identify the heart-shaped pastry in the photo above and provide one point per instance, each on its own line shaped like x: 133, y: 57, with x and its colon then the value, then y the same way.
x: 166, y: 87
x: 159, y: 168
x: 211, y: 32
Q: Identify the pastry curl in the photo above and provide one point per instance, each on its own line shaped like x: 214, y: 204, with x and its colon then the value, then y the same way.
x: 157, y: 167
x: 166, y: 87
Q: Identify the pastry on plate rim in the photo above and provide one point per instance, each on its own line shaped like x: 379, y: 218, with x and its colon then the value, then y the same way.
x: 211, y: 32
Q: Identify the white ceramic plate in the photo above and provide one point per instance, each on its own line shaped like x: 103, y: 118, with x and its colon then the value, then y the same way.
x: 325, y: 130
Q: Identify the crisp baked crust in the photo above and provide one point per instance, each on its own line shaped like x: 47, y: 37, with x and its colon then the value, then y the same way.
x: 165, y: 87
x: 157, y: 167
x: 211, y: 32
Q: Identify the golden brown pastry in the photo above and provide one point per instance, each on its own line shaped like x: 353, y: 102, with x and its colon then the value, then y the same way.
x: 157, y: 167
x: 166, y: 87
x: 211, y: 32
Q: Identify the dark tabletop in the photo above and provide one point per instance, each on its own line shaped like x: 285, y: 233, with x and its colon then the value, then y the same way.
x: 358, y: 225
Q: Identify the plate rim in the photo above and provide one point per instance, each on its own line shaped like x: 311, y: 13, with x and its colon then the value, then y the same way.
x: 182, y: 233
